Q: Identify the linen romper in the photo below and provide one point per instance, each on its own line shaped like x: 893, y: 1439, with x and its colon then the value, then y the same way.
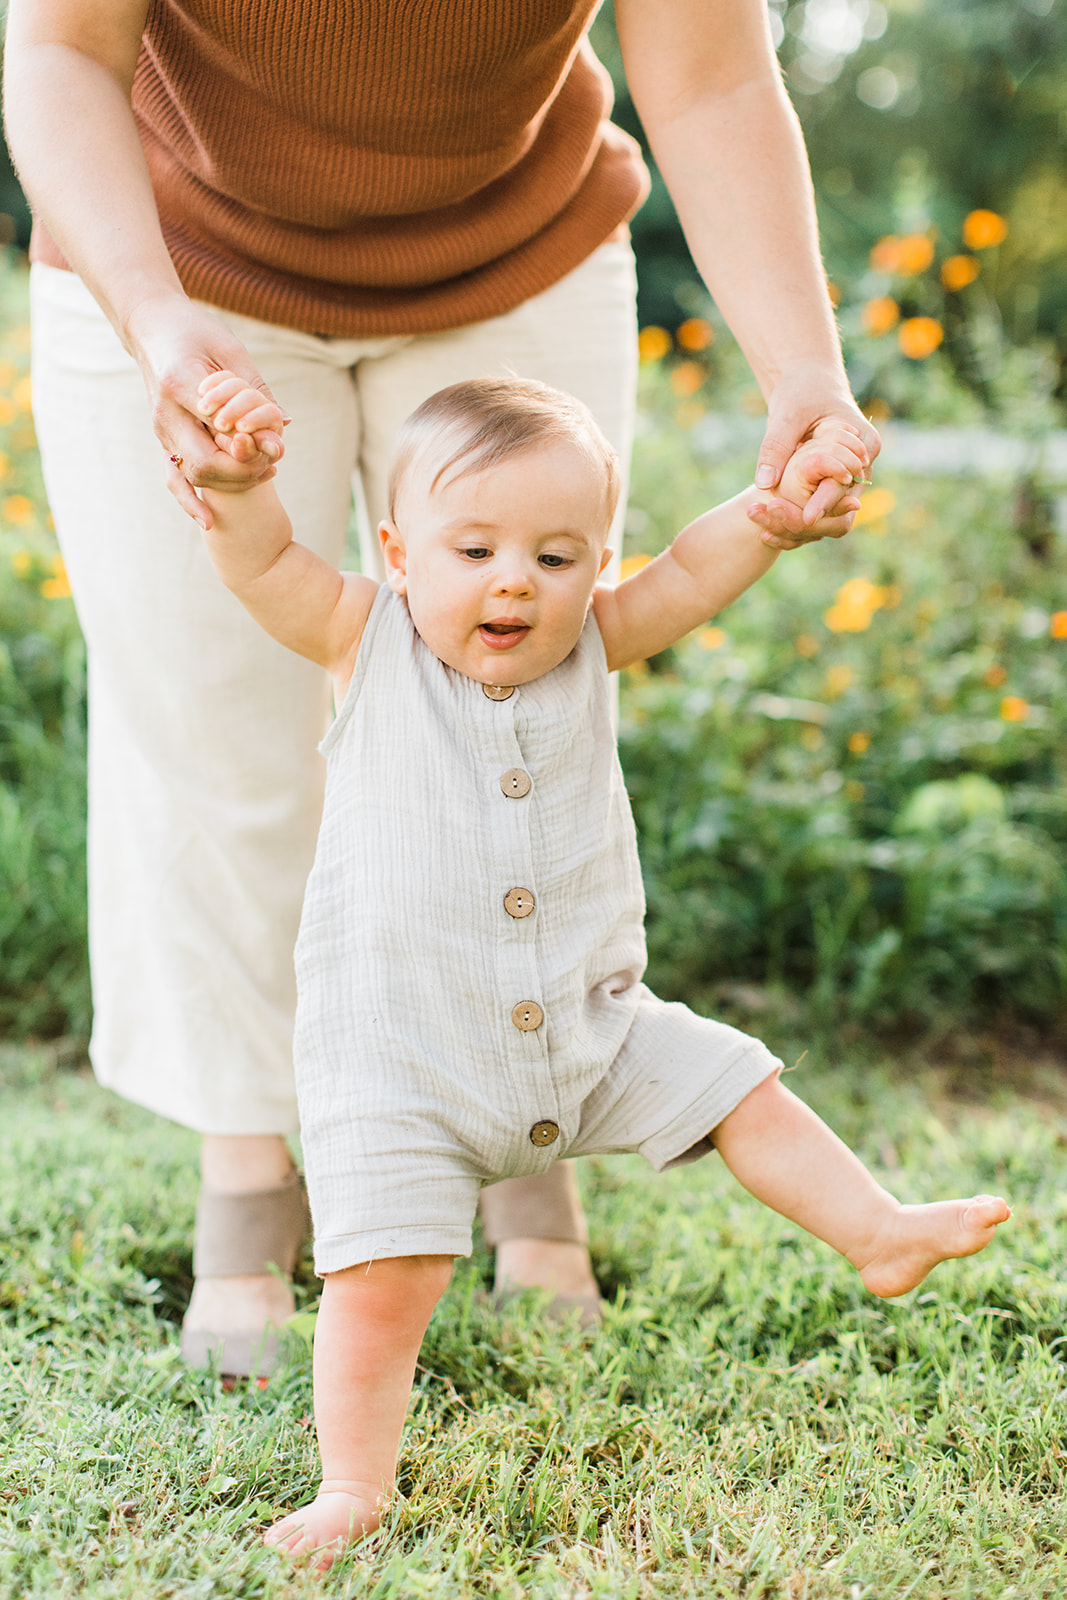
x: 470, y: 1004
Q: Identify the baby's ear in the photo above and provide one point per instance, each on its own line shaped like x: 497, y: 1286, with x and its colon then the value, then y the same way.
x: 395, y: 556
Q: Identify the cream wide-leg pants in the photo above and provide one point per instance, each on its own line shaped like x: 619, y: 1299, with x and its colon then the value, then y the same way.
x: 205, y: 782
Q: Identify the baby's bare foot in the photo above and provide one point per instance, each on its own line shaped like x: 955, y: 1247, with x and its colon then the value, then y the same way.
x: 334, y: 1518
x: 916, y: 1238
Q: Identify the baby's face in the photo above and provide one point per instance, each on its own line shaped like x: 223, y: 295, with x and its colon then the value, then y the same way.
x: 499, y: 567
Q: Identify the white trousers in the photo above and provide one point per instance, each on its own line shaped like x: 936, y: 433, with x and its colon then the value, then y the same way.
x: 205, y: 782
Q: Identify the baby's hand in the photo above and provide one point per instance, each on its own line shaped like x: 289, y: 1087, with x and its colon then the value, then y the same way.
x: 830, y: 454
x: 242, y: 419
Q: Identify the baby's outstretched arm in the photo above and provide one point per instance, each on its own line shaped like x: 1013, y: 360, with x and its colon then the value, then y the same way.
x: 717, y: 557
x: 300, y: 599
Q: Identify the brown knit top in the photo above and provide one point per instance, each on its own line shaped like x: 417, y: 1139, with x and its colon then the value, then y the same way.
x: 365, y: 167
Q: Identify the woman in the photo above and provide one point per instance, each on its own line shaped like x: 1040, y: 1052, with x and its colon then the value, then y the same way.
x: 351, y: 205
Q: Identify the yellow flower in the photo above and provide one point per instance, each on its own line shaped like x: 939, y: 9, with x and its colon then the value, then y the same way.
x: 7, y: 411
x: 859, y: 741
x: 22, y: 394
x: 17, y: 509
x: 806, y: 645
x: 838, y: 679
x: 57, y: 586
x: 632, y: 564
x: 1057, y: 625
x: 982, y: 229
x: 686, y: 378
x: 903, y: 256
x: 653, y: 343
x: 919, y: 337
x: 875, y: 504
x: 834, y: 293
x: 695, y: 333
x: 958, y: 271
x: 712, y: 638
x: 21, y: 562
x: 995, y: 675
x: 1014, y: 709
x: 854, y: 605
x: 880, y: 316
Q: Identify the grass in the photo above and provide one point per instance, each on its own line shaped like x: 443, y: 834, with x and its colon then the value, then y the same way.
x: 748, y: 1422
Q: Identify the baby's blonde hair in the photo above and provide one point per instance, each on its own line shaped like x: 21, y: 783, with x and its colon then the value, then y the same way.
x: 481, y: 423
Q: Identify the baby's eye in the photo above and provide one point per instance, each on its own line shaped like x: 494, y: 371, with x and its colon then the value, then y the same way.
x: 476, y: 552
x: 549, y: 560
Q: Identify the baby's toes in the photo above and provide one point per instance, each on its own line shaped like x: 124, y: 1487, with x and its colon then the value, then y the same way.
x: 288, y: 1534
x: 985, y: 1212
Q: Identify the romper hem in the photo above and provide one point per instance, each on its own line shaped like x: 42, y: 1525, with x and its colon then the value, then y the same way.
x: 688, y: 1137
x: 385, y: 1244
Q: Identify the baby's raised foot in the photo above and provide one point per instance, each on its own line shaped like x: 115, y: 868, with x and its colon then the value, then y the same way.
x: 916, y: 1238
x: 336, y: 1517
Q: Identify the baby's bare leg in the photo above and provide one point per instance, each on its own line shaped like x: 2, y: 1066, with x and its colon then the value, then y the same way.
x: 367, y: 1336
x: 787, y: 1157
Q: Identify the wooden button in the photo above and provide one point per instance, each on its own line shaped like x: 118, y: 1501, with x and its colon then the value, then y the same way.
x: 515, y: 783
x: 543, y: 1133
x: 498, y: 691
x: 527, y: 1016
x: 518, y: 902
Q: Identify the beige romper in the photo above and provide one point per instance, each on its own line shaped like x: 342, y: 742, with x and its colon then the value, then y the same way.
x: 470, y: 1004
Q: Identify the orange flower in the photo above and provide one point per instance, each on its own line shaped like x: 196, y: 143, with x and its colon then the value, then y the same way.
x: 806, y: 645
x: 7, y: 411
x: 995, y: 675
x: 958, y: 271
x: 1014, y: 709
x: 17, y: 509
x: 653, y: 343
x: 880, y: 316
x: 632, y: 564
x: 983, y: 229
x: 835, y: 294
x: 859, y: 741
x: 904, y: 256
x: 919, y: 337
x: 712, y: 638
x: 686, y: 378
x: 876, y: 503
x: 854, y: 605
x: 1057, y: 625
x: 57, y: 587
x: 695, y: 333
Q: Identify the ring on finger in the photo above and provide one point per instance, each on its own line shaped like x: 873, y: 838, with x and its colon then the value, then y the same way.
x: 177, y: 460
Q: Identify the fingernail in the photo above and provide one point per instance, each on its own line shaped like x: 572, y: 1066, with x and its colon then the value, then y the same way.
x: 201, y: 523
x: 286, y: 421
x: 271, y: 451
x: 765, y: 477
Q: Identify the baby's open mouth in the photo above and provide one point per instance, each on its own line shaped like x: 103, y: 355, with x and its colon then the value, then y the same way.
x: 502, y: 633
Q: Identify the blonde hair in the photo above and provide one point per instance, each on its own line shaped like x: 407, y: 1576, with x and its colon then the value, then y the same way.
x: 479, y: 424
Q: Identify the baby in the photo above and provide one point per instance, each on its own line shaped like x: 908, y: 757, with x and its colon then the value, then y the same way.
x: 471, y: 951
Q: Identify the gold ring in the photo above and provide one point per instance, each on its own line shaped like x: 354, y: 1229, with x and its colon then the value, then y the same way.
x: 177, y: 460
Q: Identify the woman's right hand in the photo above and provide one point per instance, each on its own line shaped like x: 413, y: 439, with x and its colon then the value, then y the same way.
x: 178, y: 343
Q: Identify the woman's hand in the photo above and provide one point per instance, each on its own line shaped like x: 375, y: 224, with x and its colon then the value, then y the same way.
x: 805, y: 400
x: 177, y: 344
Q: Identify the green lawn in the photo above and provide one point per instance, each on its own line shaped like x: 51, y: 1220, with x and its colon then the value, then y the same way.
x: 748, y: 1422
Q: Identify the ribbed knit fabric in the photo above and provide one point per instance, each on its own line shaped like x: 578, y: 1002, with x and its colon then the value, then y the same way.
x: 371, y: 167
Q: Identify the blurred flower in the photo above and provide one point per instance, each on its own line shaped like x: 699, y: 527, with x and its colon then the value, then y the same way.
x: 879, y: 410
x: 7, y: 411
x: 1014, y: 709
x: 686, y: 378
x: 958, y: 271
x: 632, y: 564
x: 880, y: 316
x: 5, y: 465
x: 859, y: 741
x: 874, y: 505
x: 695, y: 333
x: 854, y: 605
x: 22, y: 394
x: 1057, y: 625
x: 21, y: 562
x: 8, y: 374
x: 838, y: 679
x: 712, y: 638
x: 903, y: 255
x: 919, y: 337
x: 17, y: 509
x: 56, y: 587
x: 834, y: 293
x: 811, y: 736
x: 806, y: 645
x: 892, y: 595
x: 653, y: 343
x: 995, y: 675
x: 982, y: 229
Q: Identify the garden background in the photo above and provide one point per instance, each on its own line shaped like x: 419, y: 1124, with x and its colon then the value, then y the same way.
x: 850, y: 796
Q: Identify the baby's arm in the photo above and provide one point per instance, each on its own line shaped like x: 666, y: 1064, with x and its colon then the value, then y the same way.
x: 715, y: 559
x: 300, y: 599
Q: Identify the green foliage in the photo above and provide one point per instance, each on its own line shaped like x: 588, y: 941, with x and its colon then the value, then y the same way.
x: 748, y: 1422
x: 854, y: 787
x: 43, y: 979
